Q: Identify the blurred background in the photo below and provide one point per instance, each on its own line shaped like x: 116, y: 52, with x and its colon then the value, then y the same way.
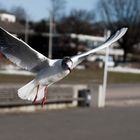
x: 110, y: 78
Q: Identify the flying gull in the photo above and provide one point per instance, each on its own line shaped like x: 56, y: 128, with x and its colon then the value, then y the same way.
x: 48, y: 71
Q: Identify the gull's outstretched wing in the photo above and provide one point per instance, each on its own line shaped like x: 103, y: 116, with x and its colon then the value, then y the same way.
x: 113, y: 38
x: 21, y: 53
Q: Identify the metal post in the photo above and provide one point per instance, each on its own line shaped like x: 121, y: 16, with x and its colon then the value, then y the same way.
x: 26, y: 30
x: 105, y: 71
x: 50, y: 35
x: 105, y: 74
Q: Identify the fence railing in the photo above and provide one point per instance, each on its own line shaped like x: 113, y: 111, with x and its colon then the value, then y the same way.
x: 57, y: 94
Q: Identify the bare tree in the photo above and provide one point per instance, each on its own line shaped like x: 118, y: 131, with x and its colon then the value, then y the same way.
x: 83, y: 15
x: 57, y: 8
x: 2, y: 7
x: 118, y: 13
x: 19, y: 12
x: 78, y: 21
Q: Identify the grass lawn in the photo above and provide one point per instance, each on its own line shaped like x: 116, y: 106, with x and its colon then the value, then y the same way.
x: 96, y: 76
x: 15, y: 78
x: 80, y: 76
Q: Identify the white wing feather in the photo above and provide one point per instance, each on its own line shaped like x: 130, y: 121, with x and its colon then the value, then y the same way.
x: 21, y: 53
x: 113, y: 38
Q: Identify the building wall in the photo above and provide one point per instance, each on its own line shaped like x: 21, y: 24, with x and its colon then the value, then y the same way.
x: 7, y: 17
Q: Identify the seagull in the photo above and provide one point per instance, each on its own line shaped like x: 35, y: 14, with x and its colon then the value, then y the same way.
x: 47, y: 71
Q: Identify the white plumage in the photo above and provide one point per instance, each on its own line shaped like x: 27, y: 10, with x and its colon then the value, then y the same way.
x: 47, y: 71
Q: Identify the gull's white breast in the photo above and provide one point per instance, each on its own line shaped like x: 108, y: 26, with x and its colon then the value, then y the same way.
x: 48, y: 76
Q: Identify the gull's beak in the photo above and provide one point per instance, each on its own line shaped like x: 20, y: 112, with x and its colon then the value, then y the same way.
x: 69, y: 64
x: 69, y: 69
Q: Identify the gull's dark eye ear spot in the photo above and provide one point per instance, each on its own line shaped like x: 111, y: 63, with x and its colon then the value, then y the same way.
x: 63, y: 64
x: 65, y: 61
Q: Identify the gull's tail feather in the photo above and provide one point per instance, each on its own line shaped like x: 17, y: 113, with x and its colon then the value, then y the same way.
x: 29, y: 91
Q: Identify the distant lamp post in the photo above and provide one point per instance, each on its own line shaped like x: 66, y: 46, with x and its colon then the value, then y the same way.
x: 50, y: 34
x: 105, y: 70
x: 26, y: 29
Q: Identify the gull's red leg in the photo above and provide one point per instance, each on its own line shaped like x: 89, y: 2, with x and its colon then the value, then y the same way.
x: 44, y: 98
x: 36, y: 93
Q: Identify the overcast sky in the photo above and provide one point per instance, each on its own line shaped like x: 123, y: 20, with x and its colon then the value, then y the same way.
x: 37, y: 9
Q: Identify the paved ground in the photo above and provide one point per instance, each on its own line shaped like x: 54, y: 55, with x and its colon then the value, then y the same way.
x: 114, y: 91
x: 73, y: 124
x: 117, y: 94
x: 123, y: 91
x: 110, y: 123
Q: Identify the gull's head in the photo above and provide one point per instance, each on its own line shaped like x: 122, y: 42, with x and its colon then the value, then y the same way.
x: 67, y: 63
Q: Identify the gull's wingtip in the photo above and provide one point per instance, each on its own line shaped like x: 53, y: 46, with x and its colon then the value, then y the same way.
x: 124, y: 29
x: 121, y: 32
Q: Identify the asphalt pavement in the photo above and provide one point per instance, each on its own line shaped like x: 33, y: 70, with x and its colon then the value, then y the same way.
x: 123, y: 91
x: 109, y: 123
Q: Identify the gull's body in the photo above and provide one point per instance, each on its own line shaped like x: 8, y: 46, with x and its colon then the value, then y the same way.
x: 47, y: 71
x: 50, y: 75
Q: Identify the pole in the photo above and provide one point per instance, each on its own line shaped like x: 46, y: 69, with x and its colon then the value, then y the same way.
x: 50, y: 35
x: 105, y: 71
x: 26, y: 30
